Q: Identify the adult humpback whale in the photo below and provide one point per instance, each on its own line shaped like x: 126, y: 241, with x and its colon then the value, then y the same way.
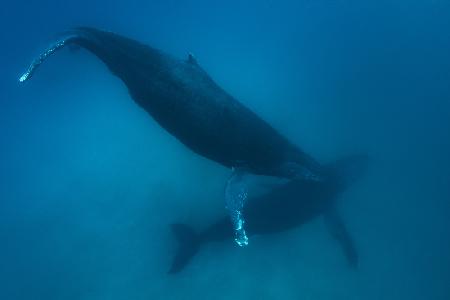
x: 186, y: 102
x: 283, y: 208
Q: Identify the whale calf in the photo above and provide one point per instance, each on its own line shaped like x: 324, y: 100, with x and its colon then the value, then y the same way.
x: 187, y: 103
x: 283, y: 208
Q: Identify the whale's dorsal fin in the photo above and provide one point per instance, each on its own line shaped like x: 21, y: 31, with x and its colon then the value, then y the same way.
x: 191, y: 59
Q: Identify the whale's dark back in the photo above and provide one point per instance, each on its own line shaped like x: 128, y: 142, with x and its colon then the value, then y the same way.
x: 185, y: 101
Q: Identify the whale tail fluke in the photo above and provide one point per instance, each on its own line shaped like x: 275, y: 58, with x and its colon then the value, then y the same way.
x: 188, y: 245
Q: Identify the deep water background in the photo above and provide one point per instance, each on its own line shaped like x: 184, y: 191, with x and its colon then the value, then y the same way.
x: 89, y: 183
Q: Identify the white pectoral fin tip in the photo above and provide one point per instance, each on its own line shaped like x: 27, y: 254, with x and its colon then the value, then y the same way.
x: 24, y: 77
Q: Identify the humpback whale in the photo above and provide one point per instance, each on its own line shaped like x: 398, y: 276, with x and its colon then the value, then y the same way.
x: 283, y: 208
x: 186, y: 102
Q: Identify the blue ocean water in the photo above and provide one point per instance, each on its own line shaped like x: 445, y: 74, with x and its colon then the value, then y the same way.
x: 89, y: 182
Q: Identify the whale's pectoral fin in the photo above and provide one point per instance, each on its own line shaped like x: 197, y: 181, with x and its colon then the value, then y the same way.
x: 236, y: 192
x: 339, y: 231
x: 61, y: 43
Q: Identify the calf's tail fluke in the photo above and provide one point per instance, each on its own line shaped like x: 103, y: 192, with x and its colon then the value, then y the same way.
x: 188, y: 245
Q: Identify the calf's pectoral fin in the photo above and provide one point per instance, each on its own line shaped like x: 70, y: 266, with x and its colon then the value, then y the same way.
x: 339, y: 232
x: 236, y: 193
